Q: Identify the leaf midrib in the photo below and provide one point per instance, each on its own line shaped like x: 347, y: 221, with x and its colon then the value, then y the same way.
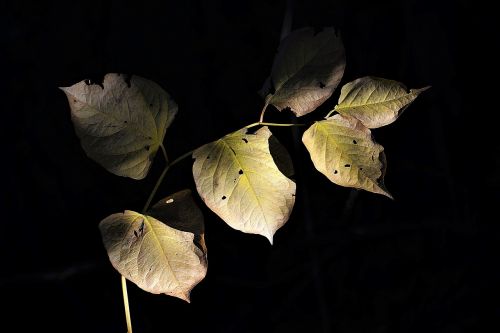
x: 233, y: 156
x: 340, y: 107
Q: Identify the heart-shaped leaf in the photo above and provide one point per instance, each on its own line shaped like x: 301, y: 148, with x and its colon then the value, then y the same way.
x: 374, y: 101
x: 122, y: 122
x: 306, y: 70
x: 156, y: 257
x: 342, y: 149
x: 238, y: 179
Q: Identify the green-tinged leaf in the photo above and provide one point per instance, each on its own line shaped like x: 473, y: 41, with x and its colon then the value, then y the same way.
x: 156, y: 257
x: 374, y: 101
x: 238, y: 179
x: 306, y: 70
x: 342, y: 149
x: 180, y: 212
x: 122, y: 123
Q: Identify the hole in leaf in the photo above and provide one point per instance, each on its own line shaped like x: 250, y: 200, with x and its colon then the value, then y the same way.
x: 74, y: 101
x: 88, y: 82
x: 322, y: 85
x: 125, y: 121
x: 223, y: 197
x: 208, y: 157
x: 147, y: 148
x: 240, y: 172
x: 151, y: 105
x: 170, y: 200
x: 135, y: 233
x: 245, y: 140
x: 335, y: 172
x: 347, y: 165
x: 361, y: 169
x: 354, y: 141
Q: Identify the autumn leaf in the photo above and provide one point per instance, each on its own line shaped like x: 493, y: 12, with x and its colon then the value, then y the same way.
x: 121, y: 123
x: 237, y: 178
x: 306, y: 70
x: 342, y: 149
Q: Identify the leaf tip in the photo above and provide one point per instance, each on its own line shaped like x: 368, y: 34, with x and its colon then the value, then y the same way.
x: 270, y: 238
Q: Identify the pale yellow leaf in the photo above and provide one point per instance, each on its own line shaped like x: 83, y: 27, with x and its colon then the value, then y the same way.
x: 342, y: 149
x: 238, y: 179
x: 156, y: 257
x: 122, y: 123
x: 374, y: 101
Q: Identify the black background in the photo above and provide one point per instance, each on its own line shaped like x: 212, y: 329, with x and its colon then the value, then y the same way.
x: 346, y: 261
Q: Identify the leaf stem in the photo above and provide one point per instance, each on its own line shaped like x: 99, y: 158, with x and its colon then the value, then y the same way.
x: 272, y: 124
x: 180, y: 158
x: 329, y: 113
x: 261, y: 119
x: 164, y: 152
x: 125, y: 303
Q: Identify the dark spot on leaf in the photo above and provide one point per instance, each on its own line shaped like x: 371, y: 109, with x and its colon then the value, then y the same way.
x: 208, y: 157
x: 354, y: 141
x: 373, y: 159
x: 127, y: 80
x: 361, y: 169
x: 223, y: 197
x: 151, y: 105
x: 347, y: 165
x: 150, y: 138
x: 240, y: 172
x: 335, y: 172
x: 74, y: 101
x: 125, y: 121
x: 245, y: 140
x: 322, y: 85
x: 147, y: 148
x: 135, y: 233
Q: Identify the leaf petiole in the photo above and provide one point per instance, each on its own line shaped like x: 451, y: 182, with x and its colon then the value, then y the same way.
x: 272, y: 124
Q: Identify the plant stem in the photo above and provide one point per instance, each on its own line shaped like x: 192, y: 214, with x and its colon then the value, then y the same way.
x: 125, y: 303
x: 272, y: 124
x: 180, y: 158
x: 157, y: 185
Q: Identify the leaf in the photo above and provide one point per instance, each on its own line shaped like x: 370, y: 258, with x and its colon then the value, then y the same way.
x: 306, y: 70
x: 238, y: 179
x: 180, y: 212
x: 342, y: 149
x: 374, y: 101
x: 122, y: 123
x: 156, y: 257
